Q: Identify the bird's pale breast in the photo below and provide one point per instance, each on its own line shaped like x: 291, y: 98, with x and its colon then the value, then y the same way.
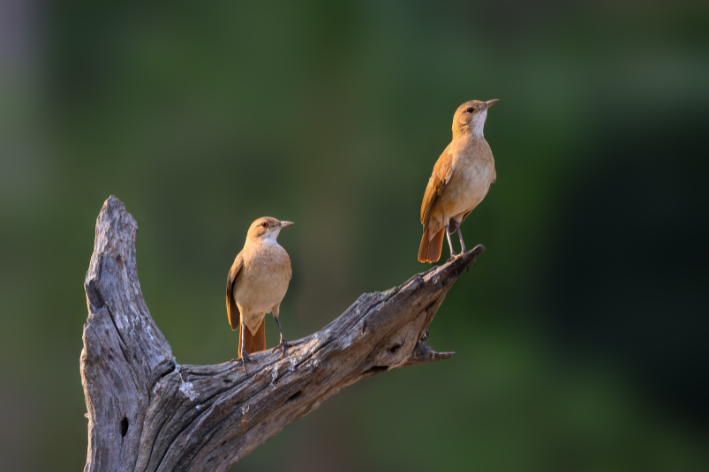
x: 263, y: 281
x: 473, y: 172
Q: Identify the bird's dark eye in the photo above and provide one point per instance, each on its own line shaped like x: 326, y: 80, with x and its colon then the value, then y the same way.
x: 264, y: 224
x: 470, y: 109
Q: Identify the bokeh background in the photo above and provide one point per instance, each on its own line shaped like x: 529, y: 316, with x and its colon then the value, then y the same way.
x: 581, y: 335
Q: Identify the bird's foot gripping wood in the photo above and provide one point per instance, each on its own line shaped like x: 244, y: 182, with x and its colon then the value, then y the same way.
x: 283, y: 344
x: 474, y: 261
x: 464, y: 255
x: 284, y: 347
x: 245, y: 357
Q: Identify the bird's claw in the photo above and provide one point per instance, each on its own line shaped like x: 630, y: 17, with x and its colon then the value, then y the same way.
x: 474, y: 262
x: 284, y: 347
x: 244, y: 358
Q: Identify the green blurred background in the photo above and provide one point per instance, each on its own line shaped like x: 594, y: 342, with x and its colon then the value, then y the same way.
x: 580, y: 335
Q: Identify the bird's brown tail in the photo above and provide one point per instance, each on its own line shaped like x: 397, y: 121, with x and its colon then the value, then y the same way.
x: 253, y: 343
x: 430, y: 250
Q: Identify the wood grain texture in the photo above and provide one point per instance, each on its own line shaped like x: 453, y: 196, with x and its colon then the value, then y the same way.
x: 147, y: 413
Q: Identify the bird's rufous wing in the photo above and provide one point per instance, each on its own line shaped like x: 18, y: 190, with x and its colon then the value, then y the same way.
x: 442, y: 172
x: 231, y: 307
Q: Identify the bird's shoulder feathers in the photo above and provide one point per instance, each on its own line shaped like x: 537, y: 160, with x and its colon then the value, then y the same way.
x: 442, y: 172
x: 231, y: 306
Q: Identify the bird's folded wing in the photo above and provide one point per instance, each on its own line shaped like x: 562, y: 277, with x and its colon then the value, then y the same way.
x: 442, y: 172
x: 231, y: 308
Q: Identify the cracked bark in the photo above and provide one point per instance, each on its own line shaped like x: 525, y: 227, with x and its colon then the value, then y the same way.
x: 147, y: 413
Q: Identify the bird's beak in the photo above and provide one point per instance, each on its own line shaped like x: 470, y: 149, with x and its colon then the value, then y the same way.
x: 489, y: 103
x: 286, y: 223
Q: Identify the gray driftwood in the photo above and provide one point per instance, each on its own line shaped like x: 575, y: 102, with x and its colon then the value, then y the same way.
x: 147, y: 413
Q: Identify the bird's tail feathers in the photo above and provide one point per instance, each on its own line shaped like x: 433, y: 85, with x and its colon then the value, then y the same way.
x: 430, y: 249
x: 253, y: 343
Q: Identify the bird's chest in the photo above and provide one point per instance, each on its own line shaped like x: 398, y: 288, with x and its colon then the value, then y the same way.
x: 471, y: 179
x: 265, y: 278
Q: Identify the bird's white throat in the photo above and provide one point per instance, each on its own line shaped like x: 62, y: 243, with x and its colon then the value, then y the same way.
x: 479, y: 123
x: 272, y: 236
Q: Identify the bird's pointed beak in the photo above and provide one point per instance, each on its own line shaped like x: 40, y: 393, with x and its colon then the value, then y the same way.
x: 286, y: 223
x: 490, y: 103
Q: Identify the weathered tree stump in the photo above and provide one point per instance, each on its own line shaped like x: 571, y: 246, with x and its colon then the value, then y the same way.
x: 147, y: 413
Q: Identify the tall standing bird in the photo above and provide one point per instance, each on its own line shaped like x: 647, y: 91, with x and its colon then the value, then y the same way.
x: 461, y: 179
x: 257, y: 282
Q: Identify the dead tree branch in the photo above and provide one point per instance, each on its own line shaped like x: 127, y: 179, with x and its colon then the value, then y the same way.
x: 147, y: 413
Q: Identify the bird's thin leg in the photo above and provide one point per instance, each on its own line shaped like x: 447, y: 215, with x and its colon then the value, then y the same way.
x: 244, y: 355
x: 450, y: 243
x: 460, y: 236
x: 462, y: 245
x: 283, y: 344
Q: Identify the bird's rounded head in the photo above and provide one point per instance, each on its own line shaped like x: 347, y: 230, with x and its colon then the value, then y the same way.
x: 470, y: 117
x: 266, y: 227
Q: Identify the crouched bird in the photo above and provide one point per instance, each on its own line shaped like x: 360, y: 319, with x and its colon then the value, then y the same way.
x: 461, y: 178
x: 257, y: 282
